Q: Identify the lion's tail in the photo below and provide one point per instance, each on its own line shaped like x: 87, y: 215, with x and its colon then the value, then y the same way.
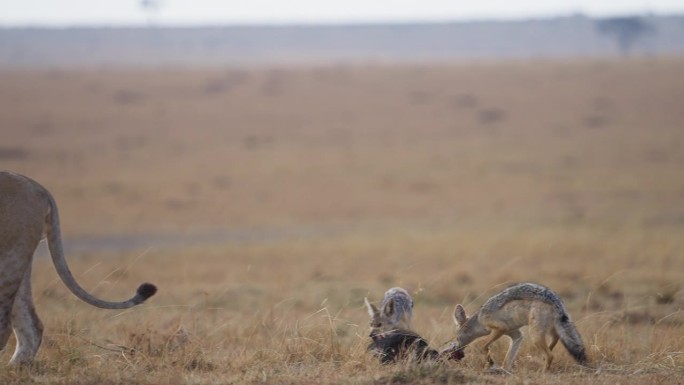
x: 54, y: 238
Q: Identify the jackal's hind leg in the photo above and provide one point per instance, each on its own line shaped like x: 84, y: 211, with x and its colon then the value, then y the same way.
x: 554, y: 339
x: 539, y: 340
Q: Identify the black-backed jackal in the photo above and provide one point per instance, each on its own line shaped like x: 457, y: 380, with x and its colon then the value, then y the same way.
x: 395, y: 313
x: 505, y: 313
x: 391, y: 332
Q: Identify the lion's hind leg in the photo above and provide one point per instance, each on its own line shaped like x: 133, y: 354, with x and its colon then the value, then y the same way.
x: 27, y: 326
x: 11, y: 275
x: 5, y: 326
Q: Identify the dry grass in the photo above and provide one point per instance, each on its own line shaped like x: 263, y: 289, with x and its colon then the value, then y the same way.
x: 451, y: 181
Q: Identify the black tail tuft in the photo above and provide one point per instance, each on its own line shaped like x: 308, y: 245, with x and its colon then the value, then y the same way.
x: 581, y: 358
x: 576, y: 351
x: 572, y: 341
x: 146, y: 290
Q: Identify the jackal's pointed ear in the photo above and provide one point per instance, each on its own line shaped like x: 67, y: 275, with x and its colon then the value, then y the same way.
x: 459, y: 315
x: 389, y: 308
x: 372, y: 310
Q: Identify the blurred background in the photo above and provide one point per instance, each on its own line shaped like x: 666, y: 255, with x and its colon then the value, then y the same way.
x: 172, y: 117
x: 154, y: 33
x: 171, y: 124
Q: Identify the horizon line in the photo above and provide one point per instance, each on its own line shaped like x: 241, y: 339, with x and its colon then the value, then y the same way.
x: 151, y: 23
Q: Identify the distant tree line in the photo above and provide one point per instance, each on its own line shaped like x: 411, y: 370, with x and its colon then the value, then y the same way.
x: 626, y: 31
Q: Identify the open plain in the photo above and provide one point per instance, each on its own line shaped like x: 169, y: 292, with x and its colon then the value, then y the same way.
x: 267, y: 203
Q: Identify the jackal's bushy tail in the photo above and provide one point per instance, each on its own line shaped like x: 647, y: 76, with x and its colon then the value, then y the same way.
x: 571, y: 339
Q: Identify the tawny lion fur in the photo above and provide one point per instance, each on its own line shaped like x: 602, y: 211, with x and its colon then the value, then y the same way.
x: 28, y: 213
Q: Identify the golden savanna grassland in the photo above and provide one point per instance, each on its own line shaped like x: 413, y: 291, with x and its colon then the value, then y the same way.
x: 267, y: 203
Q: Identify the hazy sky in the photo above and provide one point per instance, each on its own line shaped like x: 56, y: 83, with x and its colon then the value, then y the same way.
x: 185, y: 12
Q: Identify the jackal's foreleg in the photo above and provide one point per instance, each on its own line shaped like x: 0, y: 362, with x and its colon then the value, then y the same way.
x: 493, y: 336
x: 516, y: 339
